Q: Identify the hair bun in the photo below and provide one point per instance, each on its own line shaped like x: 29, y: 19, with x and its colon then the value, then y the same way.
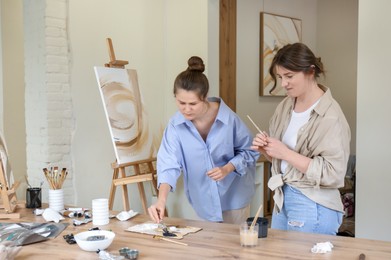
x: 196, y: 64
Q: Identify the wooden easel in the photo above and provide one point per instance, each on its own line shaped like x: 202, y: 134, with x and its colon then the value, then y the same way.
x: 113, y: 63
x: 8, y: 198
x: 144, y: 170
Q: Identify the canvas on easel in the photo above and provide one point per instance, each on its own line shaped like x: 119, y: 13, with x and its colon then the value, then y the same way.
x: 125, y: 114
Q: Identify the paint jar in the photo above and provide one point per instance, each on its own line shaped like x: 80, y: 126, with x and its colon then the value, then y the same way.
x: 248, y: 234
x: 56, y: 199
x: 263, y: 224
x: 33, y: 198
x: 100, y: 212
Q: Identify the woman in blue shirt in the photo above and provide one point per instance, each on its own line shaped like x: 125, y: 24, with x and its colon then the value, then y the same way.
x: 207, y: 142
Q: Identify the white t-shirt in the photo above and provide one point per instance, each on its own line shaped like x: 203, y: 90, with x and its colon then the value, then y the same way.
x: 290, y: 136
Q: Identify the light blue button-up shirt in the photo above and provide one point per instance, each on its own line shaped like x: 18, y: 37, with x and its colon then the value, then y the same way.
x: 183, y: 150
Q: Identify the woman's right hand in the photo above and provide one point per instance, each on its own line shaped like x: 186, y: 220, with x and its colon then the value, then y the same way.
x: 259, y: 142
x: 156, y: 211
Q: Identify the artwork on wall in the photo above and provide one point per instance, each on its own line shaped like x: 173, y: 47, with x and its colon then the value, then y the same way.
x: 126, y: 114
x: 276, y: 31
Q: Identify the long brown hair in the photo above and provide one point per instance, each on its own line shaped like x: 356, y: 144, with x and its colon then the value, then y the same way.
x: 296, y: 57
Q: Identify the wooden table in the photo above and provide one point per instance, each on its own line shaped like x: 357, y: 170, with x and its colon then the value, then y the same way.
x: 215, y: 240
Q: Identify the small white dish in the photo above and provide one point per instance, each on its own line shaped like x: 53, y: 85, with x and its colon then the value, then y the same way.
x: 82, y: 240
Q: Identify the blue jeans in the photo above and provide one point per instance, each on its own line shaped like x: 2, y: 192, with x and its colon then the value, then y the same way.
x: 299, y: 213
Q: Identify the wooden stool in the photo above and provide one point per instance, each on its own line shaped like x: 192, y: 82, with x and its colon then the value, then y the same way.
x: 141, y: 175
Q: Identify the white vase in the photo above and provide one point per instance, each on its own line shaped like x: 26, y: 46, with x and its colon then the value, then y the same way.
x: 56, y: 199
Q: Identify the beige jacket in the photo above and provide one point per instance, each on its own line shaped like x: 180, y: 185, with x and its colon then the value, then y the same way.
x: 326, y: 140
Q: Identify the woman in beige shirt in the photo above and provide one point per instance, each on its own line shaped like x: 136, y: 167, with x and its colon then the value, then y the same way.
x: 308, y: 146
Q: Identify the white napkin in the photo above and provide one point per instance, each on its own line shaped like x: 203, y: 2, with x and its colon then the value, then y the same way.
x: 125, y: 215
x: 38, y: 212
x: 52, y: 215
x: 321, y: 248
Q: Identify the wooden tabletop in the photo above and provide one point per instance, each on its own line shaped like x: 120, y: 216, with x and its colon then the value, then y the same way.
x: 215, y: 240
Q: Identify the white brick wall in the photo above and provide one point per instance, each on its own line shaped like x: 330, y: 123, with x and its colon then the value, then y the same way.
x: 49, y: 112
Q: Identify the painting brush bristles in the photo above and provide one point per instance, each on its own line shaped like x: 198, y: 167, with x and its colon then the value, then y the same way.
x: 55, y: 178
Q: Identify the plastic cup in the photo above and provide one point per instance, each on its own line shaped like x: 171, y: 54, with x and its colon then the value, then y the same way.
x: 248, y: 235
x: 33, y: 198
x: 100, y: 212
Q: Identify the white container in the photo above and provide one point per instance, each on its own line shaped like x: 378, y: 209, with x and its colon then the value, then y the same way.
x: 56, y: 199
x: 100, y: 212
x: 85, y: 244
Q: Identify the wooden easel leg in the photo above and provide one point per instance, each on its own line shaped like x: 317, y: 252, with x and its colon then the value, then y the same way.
x: 142, y: 196
x: 154, y: 181
x: 112, y: 189
x: 141, y: 189
x: 125, y: 197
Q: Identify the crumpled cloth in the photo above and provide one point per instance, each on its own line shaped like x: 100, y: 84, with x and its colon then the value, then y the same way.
x: 52, y: 215
x: 321, y: 248
x: 275, y: 184
x: 125, y: 215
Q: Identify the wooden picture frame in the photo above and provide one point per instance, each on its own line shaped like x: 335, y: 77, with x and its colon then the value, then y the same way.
x: 276, y: 31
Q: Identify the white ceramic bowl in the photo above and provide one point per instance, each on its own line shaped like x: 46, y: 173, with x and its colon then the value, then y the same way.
x: 81, y: 240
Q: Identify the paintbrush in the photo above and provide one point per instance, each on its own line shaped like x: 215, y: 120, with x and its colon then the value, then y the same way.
x: 55, y: 178
x: 169, y: 240
x: 259, y: 130
x: 255, y: 218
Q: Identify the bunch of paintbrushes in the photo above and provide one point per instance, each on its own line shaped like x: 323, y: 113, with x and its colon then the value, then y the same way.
x: 55, y: 177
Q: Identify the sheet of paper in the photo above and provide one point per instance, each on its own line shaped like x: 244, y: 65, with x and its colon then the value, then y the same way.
x: 155, y: 229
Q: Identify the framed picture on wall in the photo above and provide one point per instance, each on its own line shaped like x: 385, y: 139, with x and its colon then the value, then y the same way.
x: 276, y: 31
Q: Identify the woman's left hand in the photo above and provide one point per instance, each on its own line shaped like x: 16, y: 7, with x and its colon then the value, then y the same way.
x: 219, y: 173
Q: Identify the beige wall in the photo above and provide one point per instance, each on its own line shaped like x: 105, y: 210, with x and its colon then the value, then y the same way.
x: 337, y: 46
x: 13, y: 86
x: 1, y: 73
x: 373, y: 121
